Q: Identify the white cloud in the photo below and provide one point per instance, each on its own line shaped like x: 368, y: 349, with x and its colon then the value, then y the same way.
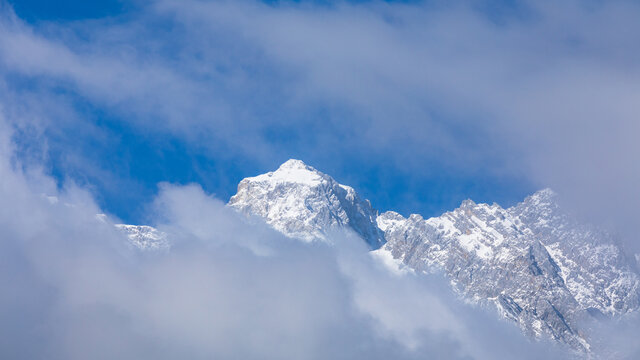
x: 73, y: 290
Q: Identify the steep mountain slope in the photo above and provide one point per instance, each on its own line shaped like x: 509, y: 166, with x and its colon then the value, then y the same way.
x: 538, y: 266
x: 593, y: 268
x: 302, y: 202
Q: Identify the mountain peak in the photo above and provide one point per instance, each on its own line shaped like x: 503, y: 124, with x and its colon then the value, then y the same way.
x: 294, y: 164
x: 292, y: 171
x: 304, y: 203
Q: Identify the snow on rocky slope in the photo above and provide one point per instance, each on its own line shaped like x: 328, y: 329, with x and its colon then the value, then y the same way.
x: 539, y: 267
x: 302, y: 202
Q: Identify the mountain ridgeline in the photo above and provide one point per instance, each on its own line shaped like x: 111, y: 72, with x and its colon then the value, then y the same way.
x: 536, y: 264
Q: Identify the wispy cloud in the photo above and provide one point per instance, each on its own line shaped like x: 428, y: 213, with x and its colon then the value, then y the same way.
x: 546, y: 93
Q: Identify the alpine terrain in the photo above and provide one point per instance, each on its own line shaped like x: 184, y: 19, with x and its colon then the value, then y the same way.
x: 533, y: 262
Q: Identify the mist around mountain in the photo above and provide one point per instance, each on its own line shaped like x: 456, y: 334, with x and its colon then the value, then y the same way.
x: 532, y: 264
x: 78, y: 287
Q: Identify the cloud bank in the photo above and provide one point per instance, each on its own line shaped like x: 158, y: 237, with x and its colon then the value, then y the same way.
x: 227, y: 289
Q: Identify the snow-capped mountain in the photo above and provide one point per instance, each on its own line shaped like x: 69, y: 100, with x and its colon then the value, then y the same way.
x: 304, y: 203
x: 537, y: 265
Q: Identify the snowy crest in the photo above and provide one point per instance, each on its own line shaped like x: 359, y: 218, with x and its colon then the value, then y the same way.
x: 533, y: 262
x: 302, y: 202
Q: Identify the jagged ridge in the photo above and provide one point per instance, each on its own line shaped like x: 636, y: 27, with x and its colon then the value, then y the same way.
x: 537, y: 265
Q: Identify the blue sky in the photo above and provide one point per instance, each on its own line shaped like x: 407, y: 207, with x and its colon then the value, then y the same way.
x: 64, y: 10
x: 127, y: 162
x: 418, y: 105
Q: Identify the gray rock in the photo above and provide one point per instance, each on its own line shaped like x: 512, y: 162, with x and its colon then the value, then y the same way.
x: 537, y: 265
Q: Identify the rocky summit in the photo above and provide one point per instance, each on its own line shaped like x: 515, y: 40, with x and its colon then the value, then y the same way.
x: 302, y: 202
